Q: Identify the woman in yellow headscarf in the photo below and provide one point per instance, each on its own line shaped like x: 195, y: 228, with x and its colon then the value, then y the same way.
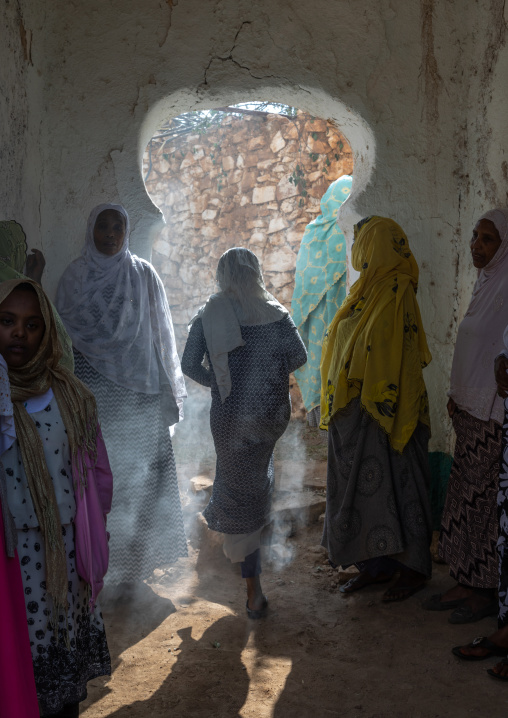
x: 374, y: 405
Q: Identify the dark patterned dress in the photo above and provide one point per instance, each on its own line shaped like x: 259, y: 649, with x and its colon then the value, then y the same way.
x: 378, y: 501
x: 247, y: 425
x: 469, y: 526
x: 61, y: 669
x: 502, y: 541
x: 146, y: 522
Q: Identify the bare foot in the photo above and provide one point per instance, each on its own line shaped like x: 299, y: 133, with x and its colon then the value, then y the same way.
x: 408, y: 583
x: 456, y: 593
x: 363, y: 579
x: 255, y: 598
x: 500, y: 669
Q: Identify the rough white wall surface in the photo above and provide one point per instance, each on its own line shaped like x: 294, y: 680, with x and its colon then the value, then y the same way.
x: 418, y: 88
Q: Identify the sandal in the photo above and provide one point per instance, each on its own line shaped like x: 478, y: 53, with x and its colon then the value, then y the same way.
x: 261, y: 613
x: 434, y: 603
x: 499, y: 677
x: 481, y: 642
x: 465, y: 614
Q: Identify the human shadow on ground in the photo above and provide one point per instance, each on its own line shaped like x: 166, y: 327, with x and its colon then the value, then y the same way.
x: 131, y: 612
x: 208, y: 678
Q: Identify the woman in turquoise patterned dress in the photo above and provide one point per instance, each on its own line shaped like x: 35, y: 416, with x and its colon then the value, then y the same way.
x: 320, y: 289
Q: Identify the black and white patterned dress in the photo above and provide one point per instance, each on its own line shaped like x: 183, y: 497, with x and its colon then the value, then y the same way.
x: 146, y: 522
x: 61, y: 669
x: 247, y: 425
x: 502, y: 541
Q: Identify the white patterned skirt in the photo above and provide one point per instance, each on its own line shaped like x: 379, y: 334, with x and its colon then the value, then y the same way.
x: 62, y: 668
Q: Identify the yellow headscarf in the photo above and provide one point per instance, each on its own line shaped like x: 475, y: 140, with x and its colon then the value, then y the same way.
x: 375, y: 347
x: 12, y: 260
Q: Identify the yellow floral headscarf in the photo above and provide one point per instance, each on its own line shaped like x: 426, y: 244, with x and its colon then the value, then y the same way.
x: 375, y: 347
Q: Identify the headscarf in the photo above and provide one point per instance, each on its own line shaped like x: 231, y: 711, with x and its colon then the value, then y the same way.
x: 117, y: 314
x: 79, y: 414
x: 375, y: 347
x: 12, y: 261
x: 320, y: 285
x: 243, y: 300
x: 480, y: 335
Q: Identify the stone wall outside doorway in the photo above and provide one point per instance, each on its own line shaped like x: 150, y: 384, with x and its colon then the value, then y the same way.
x: 255, y: 181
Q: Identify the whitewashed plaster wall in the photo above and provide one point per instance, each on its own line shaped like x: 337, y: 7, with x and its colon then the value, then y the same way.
x: 417, y: 86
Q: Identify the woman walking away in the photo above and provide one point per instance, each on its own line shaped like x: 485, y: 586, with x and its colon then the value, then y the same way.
x: 115, y: 309
x: 17, y: 685
x: 374, y: 405
x: 251, y: 345
x: 320, y: 289
x: 58, y: 488
x: 469, y: 526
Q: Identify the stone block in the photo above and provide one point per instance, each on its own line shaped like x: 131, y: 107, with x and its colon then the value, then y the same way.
x: 266, y: 164
x: 319, y: 147
x: 228, y: 163
x: 245, y: 200
x: 288, y: 206
x: 163, y: 166
x: 289, y: 131
x: 315, y: 176
x: 248, y: 181
x: 258, y: 238
x: 282, y: 260
x: 286, y: 189
x: 239, y: 162
x: 209, y: 214
x: 277, y: 143
x: 276, y: 225
x: 256, y: 143
x: 316, y: 125
x: 162, y: 247
x: 199, y: 204
x: 264, y: 194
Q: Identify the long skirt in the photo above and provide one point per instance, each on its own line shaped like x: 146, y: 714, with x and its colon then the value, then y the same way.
x: 469, y: 527
x: 146, y: 522
x: 61, y: 668
x: 18, y: 698
x: 378, y: 501
x: 502, y: 541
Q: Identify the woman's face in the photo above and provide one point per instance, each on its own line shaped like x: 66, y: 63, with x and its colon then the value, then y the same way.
x: 21, y: 327
x: 109, y: 232
x: 484, y: 243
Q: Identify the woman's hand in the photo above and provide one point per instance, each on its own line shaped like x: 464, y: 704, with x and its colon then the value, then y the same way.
x: 500, y: 371
x: 451, y: 407
x: 35, y: 264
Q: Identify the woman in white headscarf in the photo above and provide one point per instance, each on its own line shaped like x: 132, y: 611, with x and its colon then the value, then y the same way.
x: 115, y: 310
x: 251, y: 345
x: 469, y: 528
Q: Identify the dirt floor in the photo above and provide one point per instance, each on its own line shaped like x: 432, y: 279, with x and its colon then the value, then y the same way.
x: 183, y: 647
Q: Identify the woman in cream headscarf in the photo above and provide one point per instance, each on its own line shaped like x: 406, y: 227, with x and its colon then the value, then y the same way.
x: 469, y: 527
x: 252, y: 345
x: 374, y: 405
x: 14, y: 259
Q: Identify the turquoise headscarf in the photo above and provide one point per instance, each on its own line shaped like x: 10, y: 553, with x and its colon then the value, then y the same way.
x: 320, y: 285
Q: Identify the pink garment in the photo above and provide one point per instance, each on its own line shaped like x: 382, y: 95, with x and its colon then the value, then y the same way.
x: 18, y: 698
x: 480, y: 336
x: 93, y: 503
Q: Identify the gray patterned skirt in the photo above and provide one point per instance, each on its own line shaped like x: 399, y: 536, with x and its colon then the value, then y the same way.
x: 378, y: 501
x: 146, y: 522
